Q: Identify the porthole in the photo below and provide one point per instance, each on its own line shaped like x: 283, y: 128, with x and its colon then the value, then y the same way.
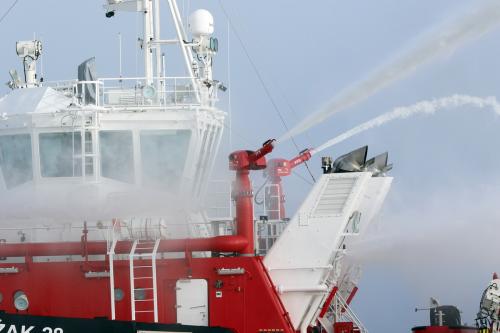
x: 21, y: 302
x: 119, y: 294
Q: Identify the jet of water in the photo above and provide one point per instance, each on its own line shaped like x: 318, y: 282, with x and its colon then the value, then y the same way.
x: 424, y: 107
x: 437, y: 42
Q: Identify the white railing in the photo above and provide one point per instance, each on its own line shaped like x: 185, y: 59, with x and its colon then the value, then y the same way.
x: 121, y: 230
x: 134, y: 91
x: 266, y: 234
x: 52, y: 233
x: 158, y: 228
x: 272, y: 200
x: 218, y: 202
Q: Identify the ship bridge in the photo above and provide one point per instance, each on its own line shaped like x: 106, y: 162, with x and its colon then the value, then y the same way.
x: 47, y: 137
x: 98, y: 148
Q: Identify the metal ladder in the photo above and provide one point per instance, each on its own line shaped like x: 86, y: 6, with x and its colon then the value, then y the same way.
x: 87, y: 157
x: 146, y: 278
x: 273, y: 198
x: 111, y: 255
x: 112, y: 240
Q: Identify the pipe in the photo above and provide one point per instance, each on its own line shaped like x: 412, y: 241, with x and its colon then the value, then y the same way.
x: 244, y: 210
x: 216, y: 244
x: 242, y: 161
x: 328, y: 301
x: 321, y: 289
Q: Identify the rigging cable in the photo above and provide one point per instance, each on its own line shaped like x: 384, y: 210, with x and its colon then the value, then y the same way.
x: 8, y: 10
x: 229, y: 105
x: 260, y: 78
x: 255, y: 199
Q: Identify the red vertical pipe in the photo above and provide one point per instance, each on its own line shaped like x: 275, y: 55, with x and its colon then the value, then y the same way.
x: 242, y: 161
x: 244, y: 210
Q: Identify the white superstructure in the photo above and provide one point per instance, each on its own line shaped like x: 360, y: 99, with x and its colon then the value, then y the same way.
x: 305, y: 263
x: 96, y: 148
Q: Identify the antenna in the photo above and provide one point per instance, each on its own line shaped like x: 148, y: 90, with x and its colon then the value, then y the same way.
x: 201, y: 26
x: 151, y: 43
x: 120, y: 54
x: 41, y: 69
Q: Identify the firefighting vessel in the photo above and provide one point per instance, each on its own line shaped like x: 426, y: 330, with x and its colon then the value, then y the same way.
x: 96, y: 235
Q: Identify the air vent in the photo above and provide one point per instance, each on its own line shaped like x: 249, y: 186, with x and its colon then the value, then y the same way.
x: 334, y: 196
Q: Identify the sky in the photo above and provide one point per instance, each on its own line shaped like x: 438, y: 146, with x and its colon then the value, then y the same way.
x: 436, y: 235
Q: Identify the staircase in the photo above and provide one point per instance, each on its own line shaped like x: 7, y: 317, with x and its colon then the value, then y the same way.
x: 340, y: 318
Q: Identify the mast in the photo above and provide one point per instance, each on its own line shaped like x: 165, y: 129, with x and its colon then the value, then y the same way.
x: 158, y: 53
x: 186, y: 50
x: 151, y: 42
x: 147, y: 42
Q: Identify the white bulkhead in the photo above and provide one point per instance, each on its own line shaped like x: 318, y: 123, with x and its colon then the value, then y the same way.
x: 305, y: 262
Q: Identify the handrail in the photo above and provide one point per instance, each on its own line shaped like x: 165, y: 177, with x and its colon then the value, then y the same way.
x: 347, y: 311
x: 130, y: 91
x: 135, y: 78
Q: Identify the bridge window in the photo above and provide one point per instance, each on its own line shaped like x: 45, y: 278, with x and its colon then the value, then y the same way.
x: 117, y: 155
x: 16, y: 164
x: 163, y: 154
x: 61, y: 154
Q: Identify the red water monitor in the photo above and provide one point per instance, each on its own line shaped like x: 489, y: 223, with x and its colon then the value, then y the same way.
x: 242, y: 161
x: 277, y: 168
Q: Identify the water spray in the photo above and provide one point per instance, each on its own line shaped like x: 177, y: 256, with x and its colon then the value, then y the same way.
x: 424, y: 107
x: 438, y: 42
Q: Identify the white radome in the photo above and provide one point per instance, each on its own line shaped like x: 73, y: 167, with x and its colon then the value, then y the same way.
x: 201, y: 23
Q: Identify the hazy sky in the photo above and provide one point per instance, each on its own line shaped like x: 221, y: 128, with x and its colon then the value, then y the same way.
x: 437, y: 235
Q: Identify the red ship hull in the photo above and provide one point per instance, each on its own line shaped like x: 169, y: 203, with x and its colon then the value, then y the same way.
x: 242, y: 302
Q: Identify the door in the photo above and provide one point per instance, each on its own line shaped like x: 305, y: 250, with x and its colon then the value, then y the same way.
x: 192, y: 302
